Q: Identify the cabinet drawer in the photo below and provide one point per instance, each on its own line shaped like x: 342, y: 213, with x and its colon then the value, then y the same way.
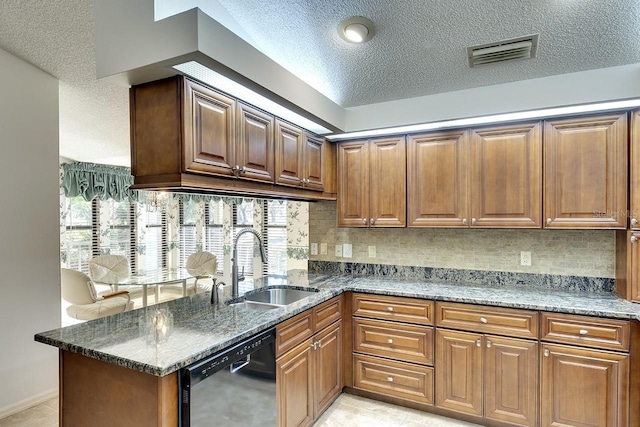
x: 586, y: 331
x: 408, y: 310
x: 293, y: 331
x: 494, y: 320
x: 327, y: 313
x: 409, y: 343
x: 397, y: 379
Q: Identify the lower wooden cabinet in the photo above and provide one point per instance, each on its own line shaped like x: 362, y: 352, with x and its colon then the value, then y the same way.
x: 583, y: 387
x: 488, y: 376
x: 309, y: 377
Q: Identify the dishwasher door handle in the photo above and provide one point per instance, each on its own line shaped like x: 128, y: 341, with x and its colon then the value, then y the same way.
x: 236, y: 366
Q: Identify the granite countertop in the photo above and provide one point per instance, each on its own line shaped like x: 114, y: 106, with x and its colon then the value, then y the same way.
x: 200, y: 329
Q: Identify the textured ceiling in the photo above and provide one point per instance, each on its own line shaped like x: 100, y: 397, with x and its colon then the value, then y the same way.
x: 419, y: 49
x: 419, y: 46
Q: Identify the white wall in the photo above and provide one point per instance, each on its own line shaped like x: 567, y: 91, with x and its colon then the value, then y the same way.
x: 29, y: 233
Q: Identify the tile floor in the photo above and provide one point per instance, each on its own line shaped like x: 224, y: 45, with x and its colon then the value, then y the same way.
x: 346, y: 411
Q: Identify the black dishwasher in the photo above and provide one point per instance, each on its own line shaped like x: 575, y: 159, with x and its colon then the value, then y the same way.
x: 236, y: 387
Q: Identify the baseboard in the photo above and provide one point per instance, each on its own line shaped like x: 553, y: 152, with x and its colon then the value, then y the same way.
x: 28, y: 403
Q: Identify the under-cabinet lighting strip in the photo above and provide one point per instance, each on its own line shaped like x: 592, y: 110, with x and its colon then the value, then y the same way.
x: 207, y: 75
x: 495, y: 118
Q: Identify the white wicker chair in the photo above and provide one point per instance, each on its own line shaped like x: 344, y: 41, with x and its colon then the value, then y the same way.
x: 109, y: 269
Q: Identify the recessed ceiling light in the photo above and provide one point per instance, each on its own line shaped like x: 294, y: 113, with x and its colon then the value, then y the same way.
x: 356, y: 29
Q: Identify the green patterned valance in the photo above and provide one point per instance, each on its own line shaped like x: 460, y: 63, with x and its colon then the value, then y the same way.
x: 91, y: 180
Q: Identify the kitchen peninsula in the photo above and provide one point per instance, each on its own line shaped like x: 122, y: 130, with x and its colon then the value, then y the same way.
x: 115, y: 371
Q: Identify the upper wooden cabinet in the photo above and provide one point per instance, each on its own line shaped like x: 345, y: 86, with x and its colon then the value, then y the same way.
x: 185, y: 135
x: 634, y: 172
x: 585, y: 178
x: 300, y: 157
x: 372, y: 183
x: 489, y: 177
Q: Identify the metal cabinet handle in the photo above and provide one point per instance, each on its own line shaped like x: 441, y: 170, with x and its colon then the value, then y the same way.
x: 243, y: 170
x: 389, y: 308
x: 464, y: 221
x: 634, y: 239
x: 483, y: 320
x: 473, y: 221
x: 319, y: 344
x: 371, y: 221
x: 390, y: 379
x: 364, y: 221
x: 389, y: 341
x: 235, y: 170
x: 314, y: 345
x: 549, y: 221
x: 546, y: 353
x: 583, y: 332
x: 634, y: 222
x: 488, y: 344
x: 478, y: 343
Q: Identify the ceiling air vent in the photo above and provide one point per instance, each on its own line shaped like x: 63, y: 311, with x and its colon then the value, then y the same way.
x: 502, y: 51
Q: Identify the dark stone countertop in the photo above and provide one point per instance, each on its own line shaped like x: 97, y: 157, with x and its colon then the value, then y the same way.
x: 200, y: 329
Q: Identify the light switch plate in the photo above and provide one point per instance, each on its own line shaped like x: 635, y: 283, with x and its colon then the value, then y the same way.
x: 347, y: 250
x: 323, y: 248
x: 372, y: 251
x: 525, y: 258
x: 338, y: 251
x: 314, y: 249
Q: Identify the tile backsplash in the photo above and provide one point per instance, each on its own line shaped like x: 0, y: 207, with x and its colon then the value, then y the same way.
x: 559, y: 252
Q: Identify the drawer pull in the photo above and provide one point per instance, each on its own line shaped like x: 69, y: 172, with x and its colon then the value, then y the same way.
x: 546, y: 353
x: 389, y: 341
x: 478, y: 344
x: 488, y: 344
x: 389, y: 308
x: 483, y: 320
x: 583, y: 332
x: 390, y: 379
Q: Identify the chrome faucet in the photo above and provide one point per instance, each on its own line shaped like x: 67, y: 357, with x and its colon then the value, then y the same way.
x: 235, y: 278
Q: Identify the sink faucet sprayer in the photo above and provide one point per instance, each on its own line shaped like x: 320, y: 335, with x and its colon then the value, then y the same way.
x: 235, y: 278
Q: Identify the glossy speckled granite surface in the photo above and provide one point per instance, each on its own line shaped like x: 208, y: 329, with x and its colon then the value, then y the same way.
x: 200, y: 329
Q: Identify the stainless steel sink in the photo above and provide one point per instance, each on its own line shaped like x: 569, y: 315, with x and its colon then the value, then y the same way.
x: 268, y: 299
x: 278, y: 297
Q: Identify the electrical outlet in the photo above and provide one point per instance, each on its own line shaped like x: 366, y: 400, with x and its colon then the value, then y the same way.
x: 525, y: 258
x: 347, y: 250
x: 314, y: 249
x: 338, y: 251
x: 323, y: 248
x: 372, y: 251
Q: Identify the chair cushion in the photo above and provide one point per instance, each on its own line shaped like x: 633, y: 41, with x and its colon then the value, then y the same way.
x: 201, y: 264
x: 109, y: 268
x: 76, y: 287
x: 101, y: 308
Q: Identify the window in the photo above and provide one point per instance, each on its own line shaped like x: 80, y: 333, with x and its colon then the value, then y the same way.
x: 121, y: 239
x: 154, y: 238
x: 214, y: 242
x: 187, y: 230
x: 79, y: 225
x: 275, y: 236
x: 243, y: 219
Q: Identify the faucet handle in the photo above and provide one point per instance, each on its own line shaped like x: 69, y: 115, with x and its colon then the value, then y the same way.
x: 241, y: 275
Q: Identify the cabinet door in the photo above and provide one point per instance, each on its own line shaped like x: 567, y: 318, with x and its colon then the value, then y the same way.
x: 314, y: 165
x: 511, y: 380
x: 294, y: 386
x: 632, y: 243
x: 585, y: 176
x: 353, y: 184
x: 506, y: 176
x: 289, y: 147
x: 581, y: 387
x: 634, y: 198
x: 459, y: 371
x: 437, y: 193
x: 388, y: 183
x: 254, y: 147
x: 328, y: 365
x: 209, y: 131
